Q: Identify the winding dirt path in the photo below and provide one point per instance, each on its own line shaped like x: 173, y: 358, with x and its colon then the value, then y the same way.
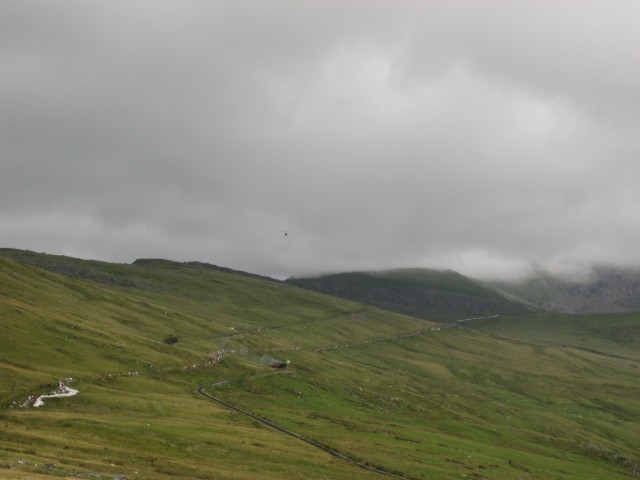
x: 201, y: 390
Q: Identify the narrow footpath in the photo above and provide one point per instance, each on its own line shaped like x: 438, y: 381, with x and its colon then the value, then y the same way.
x: 365, y: 465
x: 201, y: 390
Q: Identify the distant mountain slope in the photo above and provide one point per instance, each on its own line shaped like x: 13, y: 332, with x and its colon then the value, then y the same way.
x: 606, y: 290
x: 433, y: 294
x: 104, y: 272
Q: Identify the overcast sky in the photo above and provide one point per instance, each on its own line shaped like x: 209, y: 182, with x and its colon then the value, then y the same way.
x: 482, y: 136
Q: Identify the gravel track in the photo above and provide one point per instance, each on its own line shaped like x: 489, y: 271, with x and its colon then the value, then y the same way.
x: 201, y: 390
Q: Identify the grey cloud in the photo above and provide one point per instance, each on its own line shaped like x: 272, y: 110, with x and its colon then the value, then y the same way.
x: 483, y: 137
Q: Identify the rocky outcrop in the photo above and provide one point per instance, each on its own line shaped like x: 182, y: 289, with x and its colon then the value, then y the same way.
x: 606, y: 290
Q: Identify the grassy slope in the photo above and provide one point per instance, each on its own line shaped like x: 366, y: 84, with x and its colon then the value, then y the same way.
x: 439, y: 279
x: 434, y: 404
x: 432, y: 294
x: 608, y: 334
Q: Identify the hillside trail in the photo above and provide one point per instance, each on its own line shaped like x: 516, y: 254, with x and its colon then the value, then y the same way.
x: 365, y: 465
x: 216, y: 357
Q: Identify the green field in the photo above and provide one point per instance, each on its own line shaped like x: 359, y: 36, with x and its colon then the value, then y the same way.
x: 398, y: 393
x: 615, y: 335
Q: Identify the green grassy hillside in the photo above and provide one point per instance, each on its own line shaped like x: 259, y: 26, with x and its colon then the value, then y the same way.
x: 392, y: 391
x: 442, y: 295
x: 606, y: 334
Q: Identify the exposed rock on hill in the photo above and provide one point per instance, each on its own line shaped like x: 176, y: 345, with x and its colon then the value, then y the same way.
x: 606, y: 290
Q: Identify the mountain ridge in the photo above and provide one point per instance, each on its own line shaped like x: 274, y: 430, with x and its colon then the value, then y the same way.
x: 606, y: 289
x: 442, y: 295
